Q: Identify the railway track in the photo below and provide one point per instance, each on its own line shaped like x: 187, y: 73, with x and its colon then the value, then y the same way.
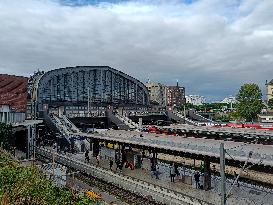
x: 122, y: 194
x: 110, y: 188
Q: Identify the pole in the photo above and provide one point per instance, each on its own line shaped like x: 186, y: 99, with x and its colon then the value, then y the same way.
x: 88, y: 102
x: 53, y: 164
x: 223, y: 177
x: 33, y: 160
x: 73, y: 183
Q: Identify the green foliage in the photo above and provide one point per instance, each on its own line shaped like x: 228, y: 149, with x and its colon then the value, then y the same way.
x: 234, y: 116
x: 84, y: 201
x: 222, y: 118
x: 6, y: 136
x: 250, y: 102
x: 26, y: 185
x: 208, y: 107
x: 226, y: 117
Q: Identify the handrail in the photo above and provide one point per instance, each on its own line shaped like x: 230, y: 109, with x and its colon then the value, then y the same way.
x: 127, y: 121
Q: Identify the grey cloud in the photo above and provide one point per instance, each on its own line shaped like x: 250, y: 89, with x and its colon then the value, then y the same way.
x: 210, y: 46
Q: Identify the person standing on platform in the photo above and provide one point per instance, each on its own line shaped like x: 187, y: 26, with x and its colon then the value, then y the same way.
x: 98, y: 160
x: 197, y: 179
x: 111, y: 164
x: 172, y: 172
x: 176, y: 170
x: 87, y: 156
x: 156, y: 171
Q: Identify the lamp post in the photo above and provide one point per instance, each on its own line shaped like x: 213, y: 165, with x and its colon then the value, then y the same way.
x: 223, y: 177
x: 88, y: 102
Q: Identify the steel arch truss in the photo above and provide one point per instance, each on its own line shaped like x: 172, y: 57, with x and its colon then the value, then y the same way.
x: 106, y: 86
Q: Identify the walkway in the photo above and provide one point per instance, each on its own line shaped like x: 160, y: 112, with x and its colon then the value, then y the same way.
x: 245, y: 194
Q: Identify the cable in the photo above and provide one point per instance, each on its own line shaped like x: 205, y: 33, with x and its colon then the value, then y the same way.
x: 241, y: 171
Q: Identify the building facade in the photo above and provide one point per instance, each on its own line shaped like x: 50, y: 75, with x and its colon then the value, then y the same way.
x: 269, y: 90
x: 157, y: 93
x: 175, y: 95
x: 195, y: 99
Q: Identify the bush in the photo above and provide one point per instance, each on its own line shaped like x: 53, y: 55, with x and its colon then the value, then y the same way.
x: 26, y: 185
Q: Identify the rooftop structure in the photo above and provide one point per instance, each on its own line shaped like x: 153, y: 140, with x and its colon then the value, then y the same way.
x: 85, y: 86
x: 13, y: 92
x: 199, y: 147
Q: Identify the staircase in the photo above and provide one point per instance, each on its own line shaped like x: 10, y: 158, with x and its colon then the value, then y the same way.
x: 195, y: 116
x: 178, y: 117
x: 127, y: 121
x: 70, y: 125
x: 66, y: 128
x: 51, y: 123
x: 117, y: 121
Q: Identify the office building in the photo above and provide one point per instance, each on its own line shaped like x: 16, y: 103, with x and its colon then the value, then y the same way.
x: 175, y: 95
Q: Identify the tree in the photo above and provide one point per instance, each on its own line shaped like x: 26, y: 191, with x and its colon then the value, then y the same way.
x: 6, y: 136
x: 250, y: 102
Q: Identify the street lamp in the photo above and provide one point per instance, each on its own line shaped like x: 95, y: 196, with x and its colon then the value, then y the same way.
x: 88, y: 102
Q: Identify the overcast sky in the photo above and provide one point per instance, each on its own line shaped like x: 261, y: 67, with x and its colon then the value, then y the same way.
x: 210, y: 46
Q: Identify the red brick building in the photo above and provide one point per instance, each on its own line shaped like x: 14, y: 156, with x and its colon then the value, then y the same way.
x: 13, y: 92
x: 175, y: 95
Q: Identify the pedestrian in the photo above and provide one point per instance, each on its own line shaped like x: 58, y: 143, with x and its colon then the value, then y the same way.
x: 156, y: 172
x: 172, y: 172
x: 87, y: 156
x: 176, y: 170
x: 197, y: 179
x: 111, y: 164
x: 153, y: 169
x: 98, y: 160
x: 119, y: 166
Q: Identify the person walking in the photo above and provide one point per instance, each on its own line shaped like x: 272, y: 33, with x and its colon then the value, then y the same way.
x: 197, y: 179
x: 87, y: 156
x: 111, y: 164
